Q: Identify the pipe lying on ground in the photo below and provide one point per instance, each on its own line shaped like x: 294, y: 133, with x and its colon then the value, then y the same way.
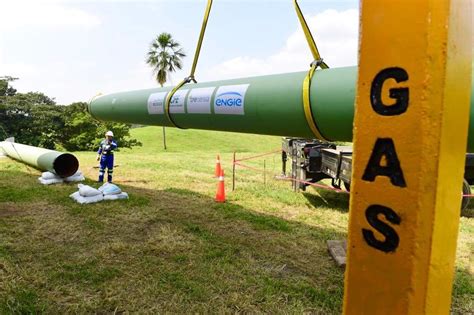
x: 62, y: 164
x: 270, y: 105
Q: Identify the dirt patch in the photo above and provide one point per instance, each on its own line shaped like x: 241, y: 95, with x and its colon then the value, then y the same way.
x: 10, y: 209
x: 126, y: 181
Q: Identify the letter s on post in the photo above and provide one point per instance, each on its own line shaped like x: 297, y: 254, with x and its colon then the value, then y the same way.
x: 392, y: 240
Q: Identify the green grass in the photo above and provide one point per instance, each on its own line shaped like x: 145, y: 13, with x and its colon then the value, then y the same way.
x: 171, y: 248
x: 22, y: 300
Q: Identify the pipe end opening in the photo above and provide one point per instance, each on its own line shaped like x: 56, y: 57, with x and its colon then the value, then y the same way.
x: 66, y: 165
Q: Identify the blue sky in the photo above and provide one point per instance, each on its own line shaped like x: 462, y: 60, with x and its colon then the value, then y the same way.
x: 71, y: 50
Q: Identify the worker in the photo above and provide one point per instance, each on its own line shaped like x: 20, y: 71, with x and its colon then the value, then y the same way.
x: 106, y: 156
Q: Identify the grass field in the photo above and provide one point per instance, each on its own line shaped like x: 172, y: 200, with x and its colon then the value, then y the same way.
x: 171, y: 248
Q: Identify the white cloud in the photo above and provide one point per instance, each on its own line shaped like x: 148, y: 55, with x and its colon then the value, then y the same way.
x: 138, y: 76
x: 49, y: 77
x: 23, y: 14
x: 335, y: 32
x: 16, y: 69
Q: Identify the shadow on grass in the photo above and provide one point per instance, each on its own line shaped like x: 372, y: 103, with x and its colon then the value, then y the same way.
x: 172, y: 250
x: 327, y: 199
x: 469, y: 211
x: 463, y: 292
x: 340, y: 201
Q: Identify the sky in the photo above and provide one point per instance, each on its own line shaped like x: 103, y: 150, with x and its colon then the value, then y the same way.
x: 72, y: 50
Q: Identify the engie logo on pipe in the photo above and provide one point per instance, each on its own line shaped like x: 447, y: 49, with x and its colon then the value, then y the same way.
x: 230, y: 99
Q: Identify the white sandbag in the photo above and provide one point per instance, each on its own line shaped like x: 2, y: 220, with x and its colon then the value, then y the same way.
x: 121, y: 196
x: 74, y: 195
x: 50, y: 181
x: 93, y: 199
x: 49, y: 175
x: 75, y: 178
x: 78, y: 173
x: 88, y: 191
x: 101, y: 188
x: 110, y: 189
x: 86, y: 200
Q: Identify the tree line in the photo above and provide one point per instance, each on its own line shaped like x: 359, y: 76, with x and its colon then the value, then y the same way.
x: 34, y: 118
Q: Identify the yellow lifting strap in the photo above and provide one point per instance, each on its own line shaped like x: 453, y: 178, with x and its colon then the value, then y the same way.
x: 309, y: 37
x: 318, y: 62
x: 193, y: 69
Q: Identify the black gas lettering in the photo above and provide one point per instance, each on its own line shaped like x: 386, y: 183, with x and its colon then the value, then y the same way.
x: 401, y: 95
x: 392, y: 239
x: 384, y: 148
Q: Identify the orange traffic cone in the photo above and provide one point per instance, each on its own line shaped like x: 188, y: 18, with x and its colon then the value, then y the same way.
x: 220, y: 195
x: 217, y: 173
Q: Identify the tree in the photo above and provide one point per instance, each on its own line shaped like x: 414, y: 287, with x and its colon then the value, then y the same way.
x: 5, y: 88
x: 82, y: 132
x: 164, y: 56
x: 5, y: 91
x: 34, y: 118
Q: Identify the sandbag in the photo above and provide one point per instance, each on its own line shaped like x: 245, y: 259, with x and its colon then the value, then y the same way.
x: 110, y: 189
x: 88, y: 194
x: 101, y: 188
x: 49, y: 175
x: 78, y: 177
x: 86, y: 200
x: 48, y: 178
x: 78, y: 173
x: 121, y: 196
x: 88, y: 191
x: 50, y: 181
x: 74, y: 195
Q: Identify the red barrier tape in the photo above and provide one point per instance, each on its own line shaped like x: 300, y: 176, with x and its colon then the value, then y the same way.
x: 236, y: 162
x: 296, y: 180
x: 257, y: 156
x: 251, y: 168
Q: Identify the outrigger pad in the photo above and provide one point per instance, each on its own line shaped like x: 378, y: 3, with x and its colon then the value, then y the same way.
x: 338, y: 251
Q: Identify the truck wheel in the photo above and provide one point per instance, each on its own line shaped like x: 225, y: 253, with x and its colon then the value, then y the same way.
x: 466, y: 190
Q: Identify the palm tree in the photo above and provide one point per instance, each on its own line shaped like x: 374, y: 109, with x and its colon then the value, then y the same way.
x: 164, y: 56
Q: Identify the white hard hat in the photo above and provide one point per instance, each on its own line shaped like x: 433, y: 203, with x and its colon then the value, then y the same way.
x: 109, y: 133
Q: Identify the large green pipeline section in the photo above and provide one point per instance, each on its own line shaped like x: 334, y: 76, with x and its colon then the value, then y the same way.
x: 62, y: 164
x: 271, y: 105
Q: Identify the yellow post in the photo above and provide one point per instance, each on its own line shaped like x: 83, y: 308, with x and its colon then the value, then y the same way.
x: 411, y: 125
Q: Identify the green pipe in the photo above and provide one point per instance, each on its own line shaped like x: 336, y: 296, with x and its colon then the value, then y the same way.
x: 62, y: 164
x: 270, y: 105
